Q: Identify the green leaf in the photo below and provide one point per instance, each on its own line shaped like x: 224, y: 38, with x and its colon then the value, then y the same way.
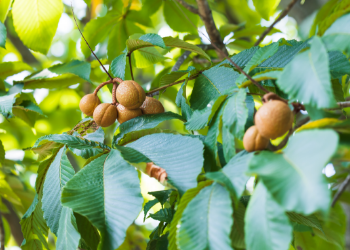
x: 234, y: 119
x: 111, y: 212
x: 97, y: 136
x: 267, y: 226
x: 266, y: 8
x: 3, y: 35
x: 148, y: 206
x: 176, y: 16
x: 310, y: 220
x: 336, y: 37
x: 309, y: 71
x: 213, y: 205
x: 67, y: 237
x: 146, y: 57
x: 260, y: 56
x: 58, y: 173
x: 138, y: 41
x: 233, y: 176
x: 71, y: 141
x: 76, y: 67
x: 172, y: 77
x: 6, y: 103
x: 211, y: 84
x: 237, y: 233
x: 263, y: 75
x: 165, y: 215
x: 162, y: 196
x: 177, y: 43
x: 34, y: 228
x: 89, y: 234
x: 321, y: 15
x: 121, y: 31
x: 302, y: 163
x: 98, y: 29
x: 36, y: 22
x: 164, y: 150
x: 5, y: 6
x: 200, y: 118
x: 143, y: 122
x: 118, y: 66
x: 185, y: 199
x: 54, y: 82
x: 11, y: 68
x: 28, y: 112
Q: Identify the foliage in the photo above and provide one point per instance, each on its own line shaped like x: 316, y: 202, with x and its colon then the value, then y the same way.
x: 91, y: 186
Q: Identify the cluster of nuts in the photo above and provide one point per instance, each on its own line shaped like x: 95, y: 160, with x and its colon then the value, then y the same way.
x: 272, y: 120
x: 132, y: 102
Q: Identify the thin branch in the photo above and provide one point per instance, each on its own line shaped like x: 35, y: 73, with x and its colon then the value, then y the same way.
x: 341, y: 105
x: 188, y: 6
x: 101, y: 85
x: 204, y: 60
x: 168, y: 85
x: 180, y: 60
x: 222, y: 53
x: 281, y: 16
x: 114, y: 92
x: 2, y: 234
x: 208, y: 20
x: 341, y: 190
x: 76, y: 23
x: 205, y: 46
x: 132, y: 75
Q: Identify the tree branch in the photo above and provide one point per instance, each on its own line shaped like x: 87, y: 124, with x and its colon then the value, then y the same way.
x: 281, y: 16
x: 188, y: 6
x: 180, y: 60
x: 341, y: 105
x: 208, y: 20
x: 341, y: 190
x: 13, y: 220
x: 132, y: 75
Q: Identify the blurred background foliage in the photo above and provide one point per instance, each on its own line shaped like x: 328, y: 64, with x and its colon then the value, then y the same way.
x: 107, y: 24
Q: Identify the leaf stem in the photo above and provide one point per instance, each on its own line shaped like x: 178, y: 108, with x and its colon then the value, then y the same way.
x: 281, y: 16
x: 114, y: 92
x: 341, y: 190
x: 101, y: 85
x: 132, y: 75
x: 149, y: 93
x: 188, y: 6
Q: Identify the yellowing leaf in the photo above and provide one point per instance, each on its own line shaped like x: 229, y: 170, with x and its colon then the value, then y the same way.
x: 4, y: 9
x: 322, y: 123
x: 36, y: 22
x: 266, y: 8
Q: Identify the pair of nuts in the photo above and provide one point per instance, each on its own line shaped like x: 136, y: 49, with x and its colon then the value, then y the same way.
x: 132, y: 103
x: 272, y: 120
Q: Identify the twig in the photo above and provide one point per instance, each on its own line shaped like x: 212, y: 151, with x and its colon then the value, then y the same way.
x: 2, y: 234
x: 101, y: 85
x: 341, y: 190
x: 180, y: 60
x: 341, y: 105
x: 208, y: 20
x: 204, y: 60
x: 188, y: 6
x: 168, y: 85
x: 76, y: 23
x: 281, y: 16
x: 291, y: 131
x: 114, y: 92
x: 132, y: 75
x: 225, y: 55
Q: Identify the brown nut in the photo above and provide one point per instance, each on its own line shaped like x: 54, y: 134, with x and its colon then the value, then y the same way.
x: 130, y: 94
x: 253, y: 141
x: 274, y: 119
x: 105, y: 114
x: 88, y: 104
x: 125, y: 114
x: 152, y: 106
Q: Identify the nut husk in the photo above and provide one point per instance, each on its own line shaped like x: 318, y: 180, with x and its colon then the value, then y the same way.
x: 253, y: 141
x: 152, y: 106
x: 125, y: 114
x: 88, y: 104
x: 105, y: 114
x: 130, y: 94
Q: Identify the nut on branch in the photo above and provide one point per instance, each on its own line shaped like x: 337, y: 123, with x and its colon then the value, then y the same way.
x: 88, y: 104
x: 157, y: 172
x: 152, y: 106
x: 125, y: 114
x: 105, y: 114
x: 130, y: 94
x: 253, y: 141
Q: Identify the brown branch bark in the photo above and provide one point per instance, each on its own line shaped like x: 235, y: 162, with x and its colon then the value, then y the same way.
x: 341, y: 189
x: 188, y: 6
x: 208, y: 20
x: 281, y: 16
